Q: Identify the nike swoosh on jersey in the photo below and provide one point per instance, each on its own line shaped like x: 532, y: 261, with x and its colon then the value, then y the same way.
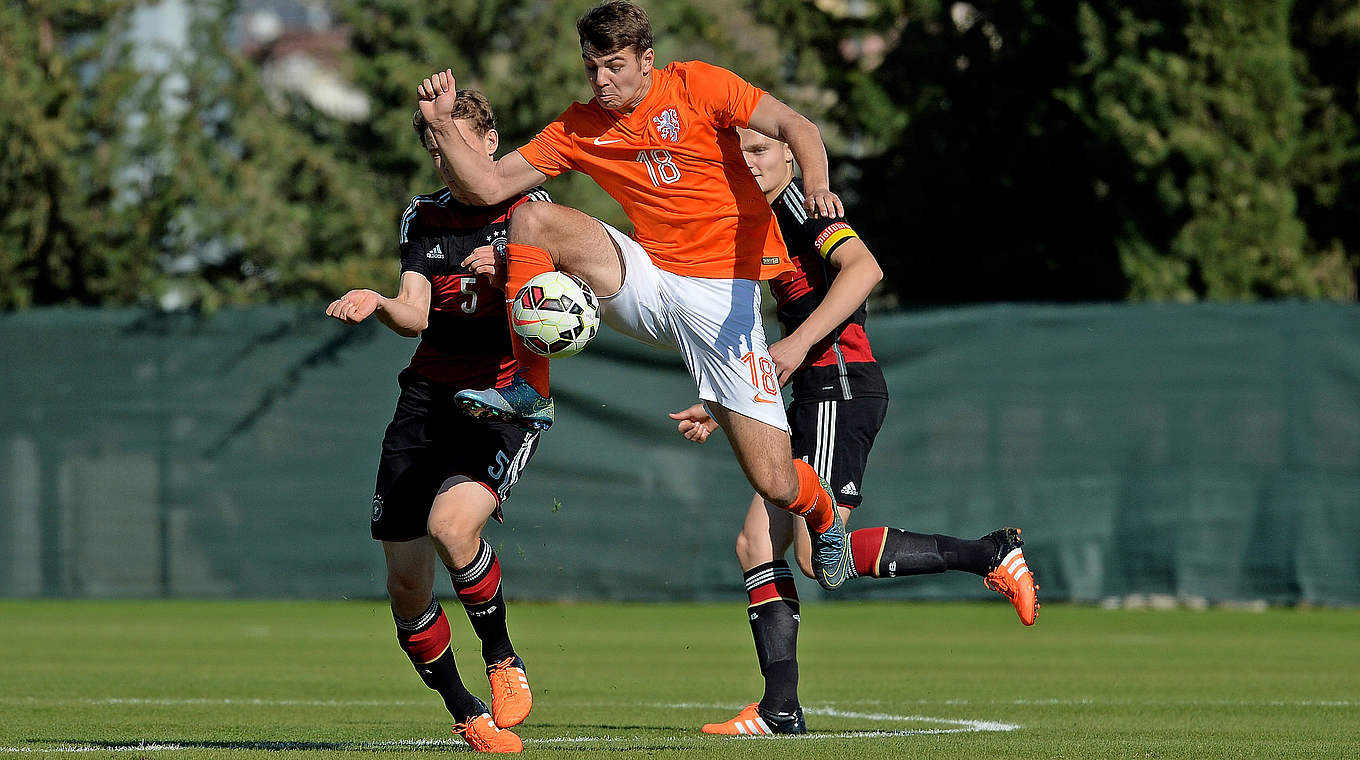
x: 762, y: 400
x: 598, y: 141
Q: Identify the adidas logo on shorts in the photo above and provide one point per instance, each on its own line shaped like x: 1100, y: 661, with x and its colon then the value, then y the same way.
x: 849, y: 489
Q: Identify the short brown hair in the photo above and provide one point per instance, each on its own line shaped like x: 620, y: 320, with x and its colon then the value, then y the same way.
x: 468, y: 104
x: 612, y: 26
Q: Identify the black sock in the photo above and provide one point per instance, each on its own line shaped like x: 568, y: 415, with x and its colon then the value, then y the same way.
x: 479, y: 589
x: 425, y: 640
x: 889, y: 553
x: 773, y: 611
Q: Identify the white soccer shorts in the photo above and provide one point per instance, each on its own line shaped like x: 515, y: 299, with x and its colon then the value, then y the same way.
x: 714, y: 323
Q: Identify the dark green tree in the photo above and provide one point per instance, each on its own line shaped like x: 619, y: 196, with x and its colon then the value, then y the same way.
x: 78, y: 125
x: 1179, y: 149
x: 1326, y: 38
x: 273, y: 203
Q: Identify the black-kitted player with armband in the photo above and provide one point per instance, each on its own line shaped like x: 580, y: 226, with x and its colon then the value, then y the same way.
x: 839, y: 399
x: 443, y: 474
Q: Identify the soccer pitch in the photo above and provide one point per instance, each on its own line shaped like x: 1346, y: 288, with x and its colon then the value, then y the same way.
x: 176, y: 680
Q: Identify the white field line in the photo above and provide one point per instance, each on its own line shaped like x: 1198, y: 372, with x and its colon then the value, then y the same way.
x: 956, y: 726
x: 345, y: 703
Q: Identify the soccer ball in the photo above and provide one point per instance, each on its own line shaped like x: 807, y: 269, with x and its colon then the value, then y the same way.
x: 555, y: 314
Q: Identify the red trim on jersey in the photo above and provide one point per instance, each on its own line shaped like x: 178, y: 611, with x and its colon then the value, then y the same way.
x: 854, y: 348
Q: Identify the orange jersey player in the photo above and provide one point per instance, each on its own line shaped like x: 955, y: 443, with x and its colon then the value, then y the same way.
x: 669, y: 163
x: 663, y: 143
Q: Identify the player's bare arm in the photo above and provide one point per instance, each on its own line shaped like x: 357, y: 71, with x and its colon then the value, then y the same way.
x: 859, y: 273
x: 774, y: 119
x: 464, y: 168
x: 694, y: 423
x: 407, y: 314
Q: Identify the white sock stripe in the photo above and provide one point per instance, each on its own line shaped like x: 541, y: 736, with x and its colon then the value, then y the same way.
x: 420, y: 623
x: 768, y: 575
x: 479, y: 565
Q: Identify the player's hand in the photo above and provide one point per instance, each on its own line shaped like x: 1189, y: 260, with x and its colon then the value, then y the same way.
x: 823, y: 204
x: 485, y: 262
x: 695, y: 424
x: 437, y: 95
x: 354, y: 306
x: 788, y: 355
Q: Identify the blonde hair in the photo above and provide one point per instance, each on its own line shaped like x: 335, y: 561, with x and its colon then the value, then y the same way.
x: 468, y: 104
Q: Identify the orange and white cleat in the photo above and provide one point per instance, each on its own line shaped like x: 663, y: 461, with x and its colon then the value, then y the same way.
x: 511, y: 699
x: 483, y: 735
x: 1010, y: 575
x: 752, y: 722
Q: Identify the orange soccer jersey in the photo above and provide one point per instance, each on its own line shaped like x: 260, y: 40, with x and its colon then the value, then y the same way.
x: 675, y: 165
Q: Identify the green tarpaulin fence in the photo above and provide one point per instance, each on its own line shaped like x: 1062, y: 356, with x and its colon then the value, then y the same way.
x: 1205, y: 452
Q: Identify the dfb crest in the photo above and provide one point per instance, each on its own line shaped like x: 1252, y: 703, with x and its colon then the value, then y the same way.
x: 668, y: 124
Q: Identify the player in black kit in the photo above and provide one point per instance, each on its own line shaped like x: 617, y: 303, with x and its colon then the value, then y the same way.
x: 839, y: 402
x: 443, y: 474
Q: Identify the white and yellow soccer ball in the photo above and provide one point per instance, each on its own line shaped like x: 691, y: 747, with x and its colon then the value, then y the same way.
x: 555, y: 314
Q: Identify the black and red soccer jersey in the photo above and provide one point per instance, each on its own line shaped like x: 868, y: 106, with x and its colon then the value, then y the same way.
x: 841, y: 365
x: 467, y: 341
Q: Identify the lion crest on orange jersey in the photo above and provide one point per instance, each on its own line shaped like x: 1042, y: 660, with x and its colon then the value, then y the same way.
x: 668, y: 124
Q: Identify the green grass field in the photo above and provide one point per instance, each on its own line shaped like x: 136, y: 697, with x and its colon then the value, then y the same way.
x: 179, y: 680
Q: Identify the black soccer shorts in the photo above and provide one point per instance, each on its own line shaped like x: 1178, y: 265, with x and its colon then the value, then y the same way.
x: 430, y: 441
x: 835, y: 438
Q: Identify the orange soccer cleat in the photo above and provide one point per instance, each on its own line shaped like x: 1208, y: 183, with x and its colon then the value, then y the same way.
x: 483, y: 735
x: 1010, y: 575
x: 511, y: 699
x: 752, y: 722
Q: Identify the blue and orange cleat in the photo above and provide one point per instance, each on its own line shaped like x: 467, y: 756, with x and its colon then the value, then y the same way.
x: 831, y: 560
x: 517, y: 403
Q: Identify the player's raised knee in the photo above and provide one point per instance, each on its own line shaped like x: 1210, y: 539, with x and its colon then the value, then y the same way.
x: 531, y: 223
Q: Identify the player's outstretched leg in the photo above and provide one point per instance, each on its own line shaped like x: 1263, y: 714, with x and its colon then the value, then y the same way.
x: 831, y: 559
x: 478, y: 585
x: 996, y: 557
x: 518, y: 403
x: 483, y: 735
x: 1009, y: 574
